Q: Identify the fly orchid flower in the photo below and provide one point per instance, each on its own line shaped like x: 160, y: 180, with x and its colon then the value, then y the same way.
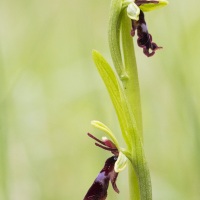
x: 135, y: 11
x: 113, y: 165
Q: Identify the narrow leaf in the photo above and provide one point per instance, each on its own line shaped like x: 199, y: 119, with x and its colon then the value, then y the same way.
x: 114, y: 90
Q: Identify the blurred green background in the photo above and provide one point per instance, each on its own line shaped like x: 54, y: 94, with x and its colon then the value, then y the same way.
x: 50, y: 90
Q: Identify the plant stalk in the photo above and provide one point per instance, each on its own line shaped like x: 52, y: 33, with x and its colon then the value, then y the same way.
x: 126, y: 68
x: 131, y: 85
x: 132, y: 91
x: 3, y: 138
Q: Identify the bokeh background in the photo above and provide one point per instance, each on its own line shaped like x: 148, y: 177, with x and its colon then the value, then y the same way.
x: 50, y: 90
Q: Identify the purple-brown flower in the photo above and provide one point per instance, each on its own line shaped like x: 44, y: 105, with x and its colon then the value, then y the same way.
x: 135, y: 12
x: 98, y: 190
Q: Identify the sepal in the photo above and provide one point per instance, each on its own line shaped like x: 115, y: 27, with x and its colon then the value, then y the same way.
x: 146, y: 7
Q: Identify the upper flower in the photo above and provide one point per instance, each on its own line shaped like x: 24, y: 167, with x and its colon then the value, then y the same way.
x: 135, y: 11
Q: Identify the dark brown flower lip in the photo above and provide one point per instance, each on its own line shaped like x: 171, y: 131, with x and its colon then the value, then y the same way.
x: 144, y: 38
x: 98, y: 190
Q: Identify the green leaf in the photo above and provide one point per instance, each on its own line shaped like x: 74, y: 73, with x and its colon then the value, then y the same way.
x: 153, y: 6
x: 115, y: 92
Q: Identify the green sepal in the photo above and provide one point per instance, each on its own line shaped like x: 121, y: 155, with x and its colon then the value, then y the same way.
x: 153, y: 6
x: 104, y: 128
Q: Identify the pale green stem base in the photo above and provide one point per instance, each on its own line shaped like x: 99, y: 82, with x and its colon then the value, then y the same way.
x: 134, y: 189
x: 3, y: 138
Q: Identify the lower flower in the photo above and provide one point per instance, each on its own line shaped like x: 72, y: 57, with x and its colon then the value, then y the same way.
x: 112, y: 166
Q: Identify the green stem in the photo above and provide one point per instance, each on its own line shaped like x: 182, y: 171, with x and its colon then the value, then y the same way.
x: 131, y: 85
x: 139, y: 179
x: 134, y: 189
x: 132, y: 91
x: 3, y: 138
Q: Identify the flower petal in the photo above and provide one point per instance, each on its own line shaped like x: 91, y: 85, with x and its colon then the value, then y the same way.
x: 120, y: 163
x: 104, y: 128
x: 133, y: 11
x: 98, y: 190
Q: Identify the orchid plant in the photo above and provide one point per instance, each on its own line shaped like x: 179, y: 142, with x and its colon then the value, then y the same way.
x: 126, y: 18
